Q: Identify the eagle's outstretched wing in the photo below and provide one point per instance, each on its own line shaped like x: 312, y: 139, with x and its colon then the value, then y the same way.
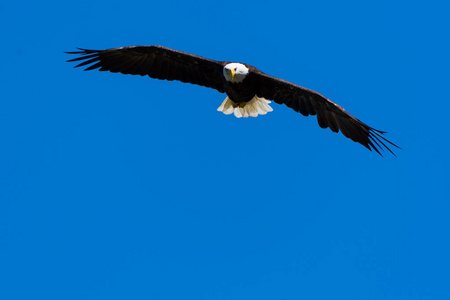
x: 155, y: 61
x: 329, y: 114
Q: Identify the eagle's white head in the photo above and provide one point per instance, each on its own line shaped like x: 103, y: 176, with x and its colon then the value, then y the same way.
x: 235, y: 72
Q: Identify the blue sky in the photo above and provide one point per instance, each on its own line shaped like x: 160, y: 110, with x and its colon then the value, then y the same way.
x: 124, y: 187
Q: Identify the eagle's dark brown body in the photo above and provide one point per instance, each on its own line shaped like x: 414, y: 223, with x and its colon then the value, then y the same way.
x: 244, y: 91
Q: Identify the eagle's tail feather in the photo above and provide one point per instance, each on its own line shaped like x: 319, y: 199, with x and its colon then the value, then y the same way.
x: 253, y: 108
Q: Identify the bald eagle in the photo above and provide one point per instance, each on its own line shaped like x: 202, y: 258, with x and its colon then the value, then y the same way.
x: 248, y: 89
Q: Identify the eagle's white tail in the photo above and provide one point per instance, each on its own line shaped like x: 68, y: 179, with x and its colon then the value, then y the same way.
x: 253, y: 108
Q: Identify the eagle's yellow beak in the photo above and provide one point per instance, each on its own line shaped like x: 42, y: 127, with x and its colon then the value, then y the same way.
x: 232, y: 72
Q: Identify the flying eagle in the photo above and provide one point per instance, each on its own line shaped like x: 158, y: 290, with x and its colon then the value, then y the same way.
x: 247, y: 88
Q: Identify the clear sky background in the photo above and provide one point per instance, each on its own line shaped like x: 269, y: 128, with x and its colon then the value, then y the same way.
x: 124, y: 187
